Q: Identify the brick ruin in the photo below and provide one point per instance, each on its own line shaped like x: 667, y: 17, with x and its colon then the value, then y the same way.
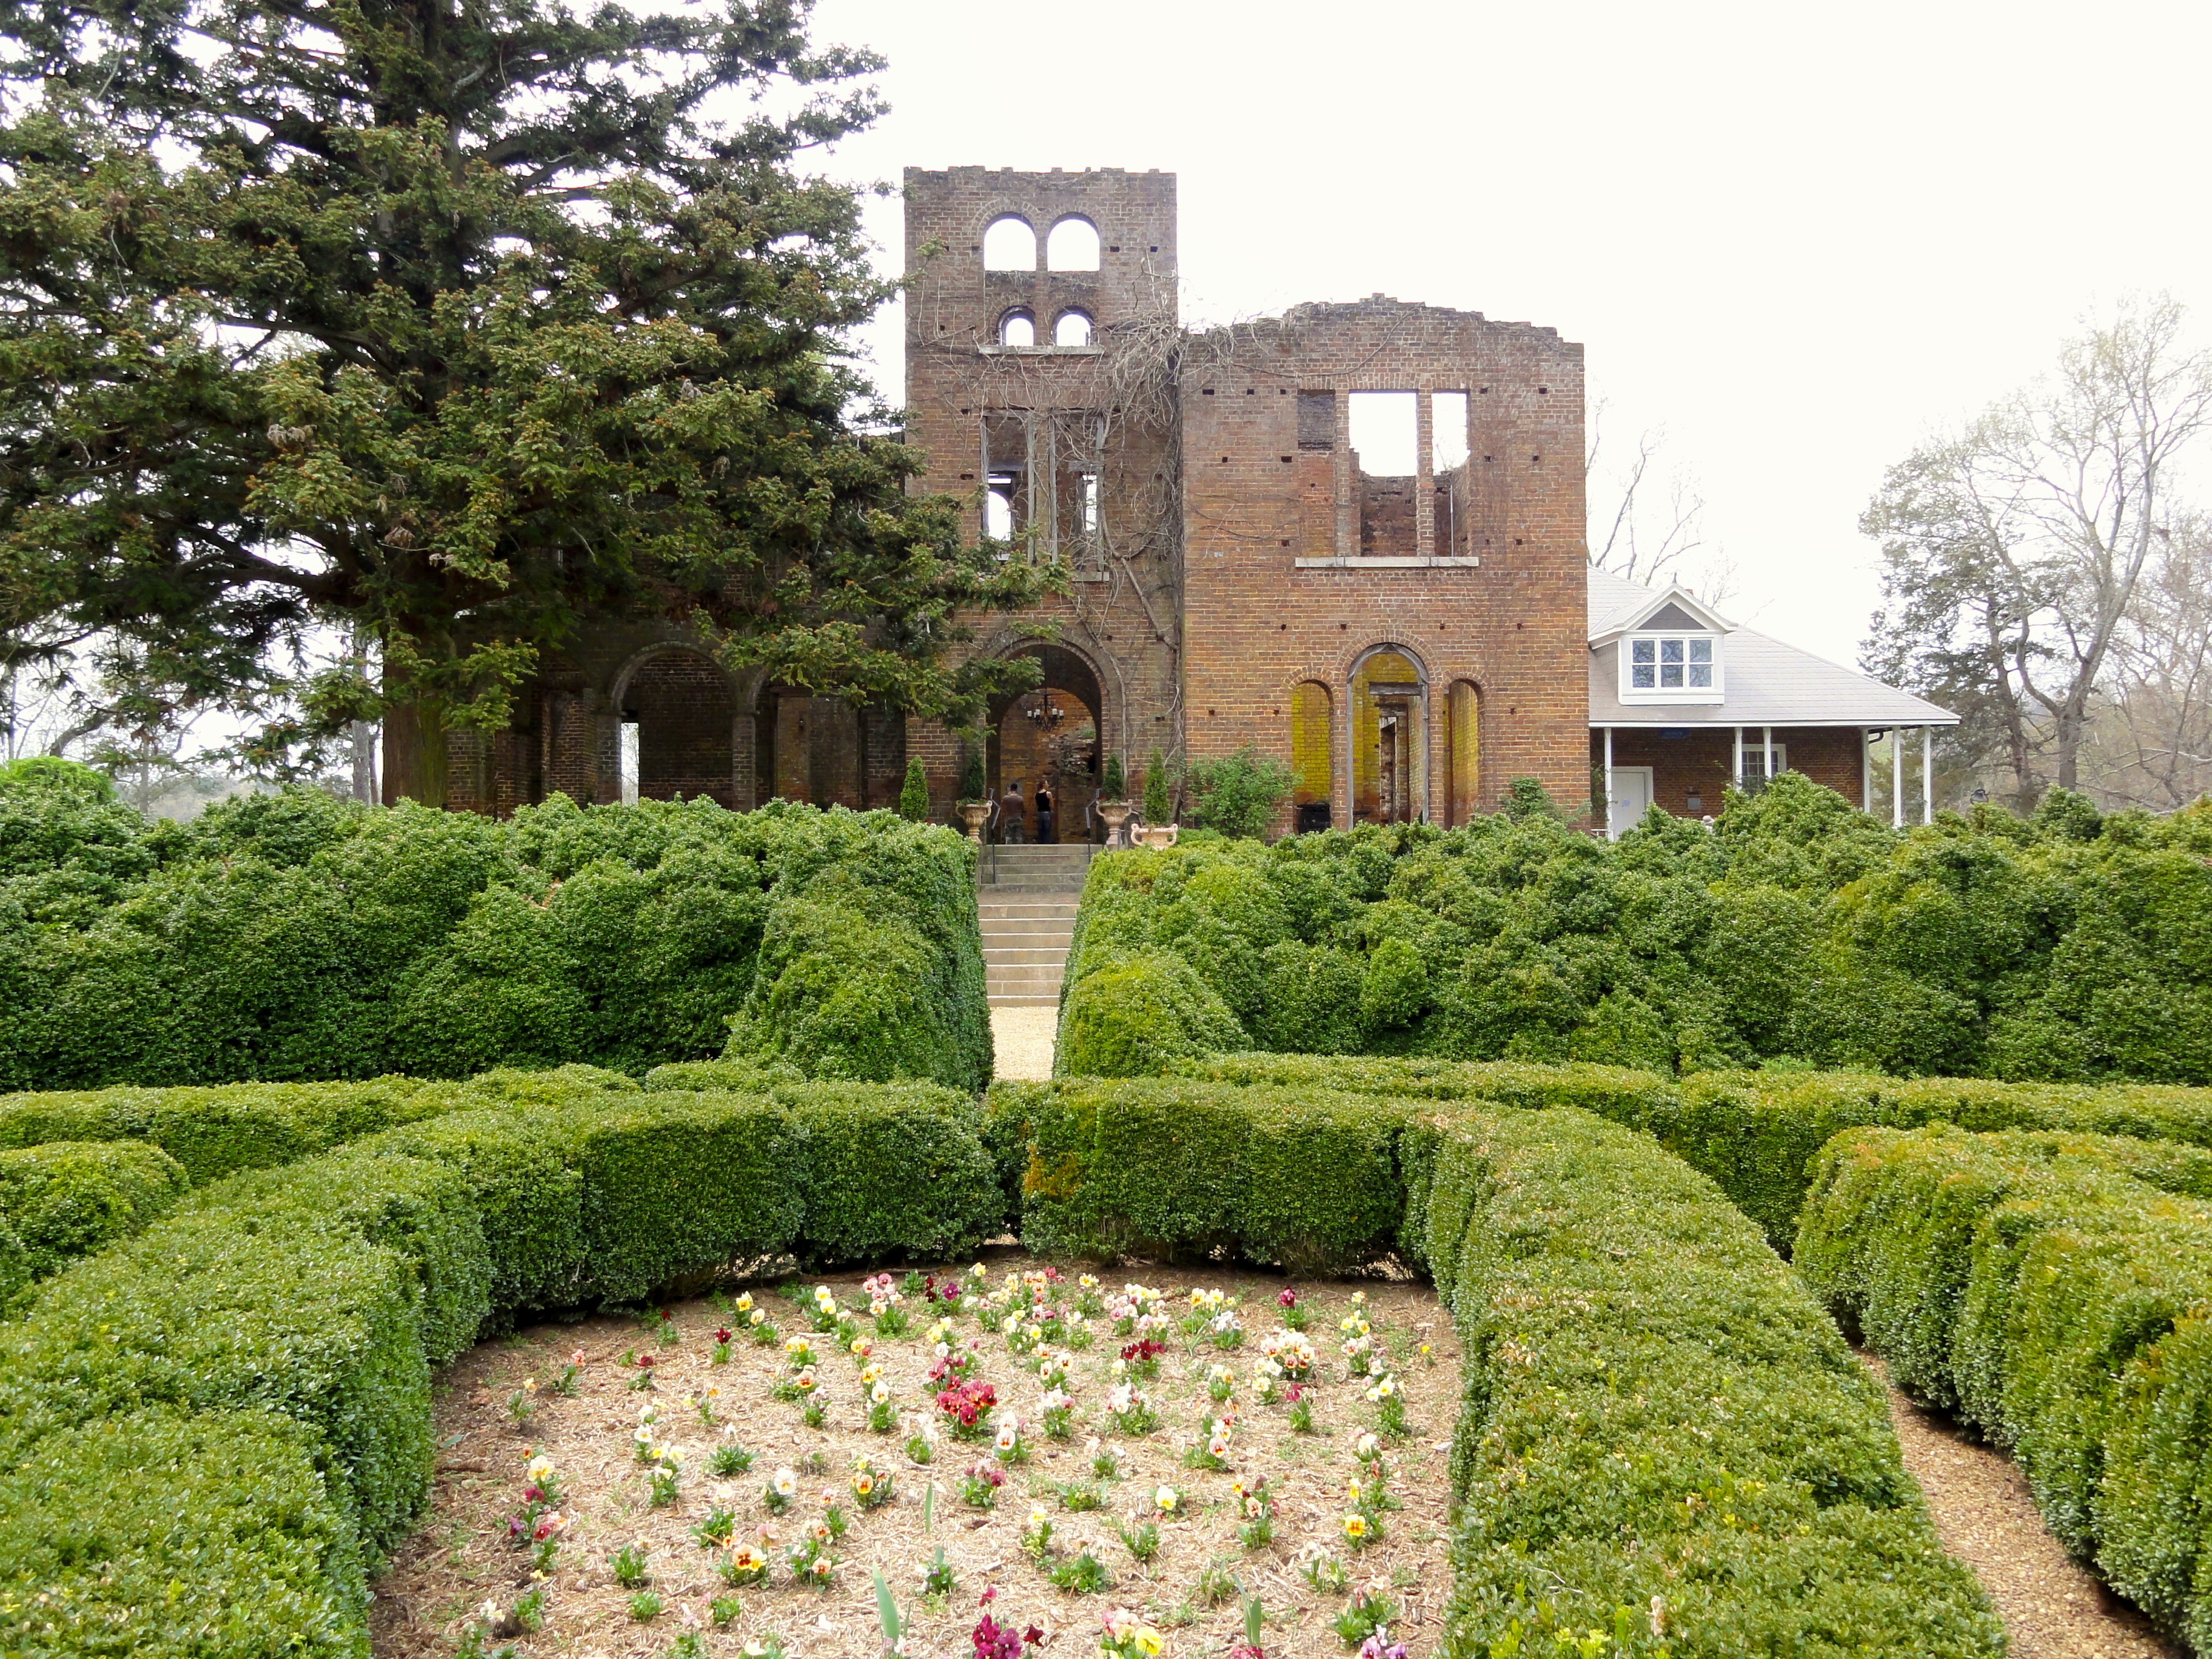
x: 1410, y: 635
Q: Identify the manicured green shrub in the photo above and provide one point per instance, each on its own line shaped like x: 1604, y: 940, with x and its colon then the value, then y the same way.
x: 1754, y: 1133
x: 1308, y: 1180
x: 892, y: 1173
x: 2066, y: 949
x: 296, y: 936
x: 165, y: 1534
x: 2053, y: 1290
x: 1134, y: 1017
x: 69, y: 1198
x: 913, y: 793
x: 217, y: 1130
x: 1665, y: 1442
x: 1239, y: 794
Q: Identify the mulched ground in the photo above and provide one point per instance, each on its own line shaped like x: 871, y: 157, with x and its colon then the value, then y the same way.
x: 2053, y: 1607
x: 461, y: 1558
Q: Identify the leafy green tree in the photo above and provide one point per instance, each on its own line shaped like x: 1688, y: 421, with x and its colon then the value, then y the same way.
x: 1238, y: 793
x: 458, y: 325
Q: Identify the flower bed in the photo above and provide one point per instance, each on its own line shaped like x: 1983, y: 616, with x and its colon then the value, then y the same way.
x: 680, y: 1479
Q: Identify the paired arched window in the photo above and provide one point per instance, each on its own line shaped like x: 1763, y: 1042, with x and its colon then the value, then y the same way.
x: 1072, y: 244
x: 1009, y: 244
x: 1017, y: 328
x: 1073, y: 328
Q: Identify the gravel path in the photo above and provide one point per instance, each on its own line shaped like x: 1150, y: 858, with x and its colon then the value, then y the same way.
x: 2052, y: 1606
x: 1022, y: 1038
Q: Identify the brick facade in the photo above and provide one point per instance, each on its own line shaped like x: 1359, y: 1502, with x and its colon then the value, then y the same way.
x: 1236, y: 571
x: 1691, y: 765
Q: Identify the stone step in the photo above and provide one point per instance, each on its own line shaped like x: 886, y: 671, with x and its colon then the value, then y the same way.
x: 999, y: 956
x: 1029, y: 938
x: 1058, y: 904
x: 1023, y: 976
x: 1008, y: 889
x: 1014, y: 999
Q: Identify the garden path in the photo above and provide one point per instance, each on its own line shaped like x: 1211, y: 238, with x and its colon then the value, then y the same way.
x: 1022, y: 1040
x: 2053, y: 1607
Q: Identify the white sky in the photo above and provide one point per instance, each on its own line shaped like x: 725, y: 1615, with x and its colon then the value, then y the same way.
x: 1796, y: 239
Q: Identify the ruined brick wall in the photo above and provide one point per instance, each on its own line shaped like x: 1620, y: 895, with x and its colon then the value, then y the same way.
x: 973, y: 406
x: 1278, y: 591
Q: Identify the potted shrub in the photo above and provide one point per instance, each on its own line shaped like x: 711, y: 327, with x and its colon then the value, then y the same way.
x: 974, y: 805
x: 1158, y: 832
x: 1113, y: 804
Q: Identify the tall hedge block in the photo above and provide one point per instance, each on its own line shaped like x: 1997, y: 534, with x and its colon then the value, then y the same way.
x: 1664, y: 1437
x: 2055, y: 1290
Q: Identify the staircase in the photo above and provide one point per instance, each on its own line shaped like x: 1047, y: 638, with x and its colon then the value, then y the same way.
x: 1027, y: 908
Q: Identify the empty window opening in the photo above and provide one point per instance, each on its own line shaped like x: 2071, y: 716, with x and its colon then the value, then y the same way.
x: 1073, y: 329
x: 627, y: 760
x: 1385, y: 450
x: 1017, y: 328
x: 1009, y: 245
x: 1072, y: 244
x: 1447, y: 463
x: 1313, y: 756
x: 999, y: 508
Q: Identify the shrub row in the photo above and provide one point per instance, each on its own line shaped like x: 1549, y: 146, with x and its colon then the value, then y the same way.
x: 1754, y: 1133
x: 295, y: 936
x: 1666, y: 1447
x: 70, y: 1198
x: 259, y: 1360
x: 2067, y: 948
x: 2056, y: 1291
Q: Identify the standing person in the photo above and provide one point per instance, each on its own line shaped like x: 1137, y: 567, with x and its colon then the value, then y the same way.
x: 1010, y: 815
x: 1044, y: 815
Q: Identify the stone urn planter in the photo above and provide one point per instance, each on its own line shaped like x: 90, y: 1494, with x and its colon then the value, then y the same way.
x: 1113, y: 814
x: 1156, y: 835
x: 973, y: 814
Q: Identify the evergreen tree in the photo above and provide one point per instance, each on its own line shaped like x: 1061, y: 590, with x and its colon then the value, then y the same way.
x: 913, y: 793
x: 458, y: 324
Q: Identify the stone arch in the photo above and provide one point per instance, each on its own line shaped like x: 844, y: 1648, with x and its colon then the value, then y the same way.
x: 1386, y: 735
x: 1313, y: 756
x: 1038, y: 736
x: 1462, y: 745
x: 680, y: 707
x: 1008, y: 243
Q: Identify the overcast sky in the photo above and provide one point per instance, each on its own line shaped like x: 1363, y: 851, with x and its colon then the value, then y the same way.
x: 1796, y: 239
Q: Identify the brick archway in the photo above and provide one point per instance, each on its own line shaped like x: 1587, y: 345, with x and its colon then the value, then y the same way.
x: 682, y: 703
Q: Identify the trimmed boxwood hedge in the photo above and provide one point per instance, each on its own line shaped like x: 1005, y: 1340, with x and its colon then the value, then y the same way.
x: 1653, y: 1407
x: 2056, y: 1292
x: 69, y: 1198
x: 1754, y: 1133
x: 1665, y: 1441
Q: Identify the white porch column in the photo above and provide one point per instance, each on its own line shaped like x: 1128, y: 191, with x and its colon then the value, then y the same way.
x: 1736, y: 778
x: 1927, y: 774
x: 1866, y: 771
x: 1897, y: 777
x: 1767, y: 759
x: 1610, y: 834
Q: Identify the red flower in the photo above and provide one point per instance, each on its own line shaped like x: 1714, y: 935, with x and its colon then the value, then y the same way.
x: 645, y: 1362
x: 1287, y: 1296
x: 722, y: 1336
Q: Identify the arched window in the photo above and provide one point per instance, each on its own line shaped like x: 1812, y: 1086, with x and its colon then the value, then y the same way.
x: 1009, y: 244
x: 1073, y: 245
x: 1390, y: 739
x: 1462, y: 752
x: 1017, y: 328
x: 1072, y: 328
x: 1313, y: 757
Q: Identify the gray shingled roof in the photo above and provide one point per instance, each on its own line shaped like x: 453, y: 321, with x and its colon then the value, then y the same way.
x: 1768, y: 682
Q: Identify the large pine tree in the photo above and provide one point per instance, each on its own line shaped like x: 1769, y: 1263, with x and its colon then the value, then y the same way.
x: 457, y: 322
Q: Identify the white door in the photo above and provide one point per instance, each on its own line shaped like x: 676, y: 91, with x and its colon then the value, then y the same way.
x: 1631, y: 799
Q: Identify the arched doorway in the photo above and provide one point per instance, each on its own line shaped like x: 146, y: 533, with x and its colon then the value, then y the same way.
x: 1390, y: 737
x: 677, y: 708
x: 1051, y: 736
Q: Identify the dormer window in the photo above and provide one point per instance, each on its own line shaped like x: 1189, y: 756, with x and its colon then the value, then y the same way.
x: 1670, y: 668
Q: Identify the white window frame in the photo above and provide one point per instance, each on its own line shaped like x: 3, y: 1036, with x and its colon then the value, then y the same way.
x: 1716, y: 692
x: 1758, y: 751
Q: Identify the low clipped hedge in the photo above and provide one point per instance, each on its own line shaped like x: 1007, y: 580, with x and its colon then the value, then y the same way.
x: 1666, y: 1447
x: 1654, y: 1407
x: 287, y: 1321
x: 2055, y: 1291
x: 69, y: 1198
x: 1754, y: 1133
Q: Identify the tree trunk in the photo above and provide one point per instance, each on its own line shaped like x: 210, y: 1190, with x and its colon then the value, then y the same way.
x: 415, y: 753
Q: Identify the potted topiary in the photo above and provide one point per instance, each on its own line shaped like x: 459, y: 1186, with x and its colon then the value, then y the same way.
x: 1112, y: 805
x: 1158, y: 832
x: 974, y: 805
